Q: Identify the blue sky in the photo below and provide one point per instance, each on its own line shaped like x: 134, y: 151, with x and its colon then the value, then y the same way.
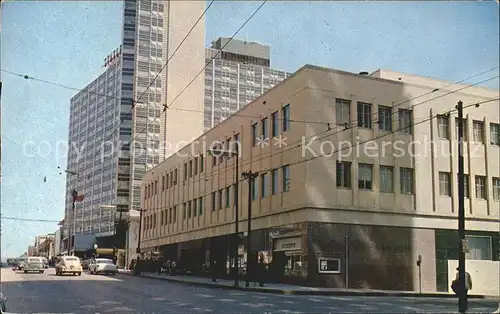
x: 66, y: 42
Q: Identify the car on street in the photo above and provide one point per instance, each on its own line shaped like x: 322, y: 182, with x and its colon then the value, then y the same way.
x: 33, y: 264
x: 68, y: 265
x: 103, y: 266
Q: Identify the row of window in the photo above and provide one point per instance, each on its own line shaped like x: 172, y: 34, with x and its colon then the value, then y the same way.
x: 195, y: 207
x: 365, y: 177
x: 264, y: 127
x: 365, y: 116
x: 480, y: 186
x: 478, y: 130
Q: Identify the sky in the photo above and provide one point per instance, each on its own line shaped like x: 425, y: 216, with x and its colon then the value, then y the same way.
x: 66, y: 42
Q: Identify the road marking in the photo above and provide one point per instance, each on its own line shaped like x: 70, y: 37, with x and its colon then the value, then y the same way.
x: 341, y: 298
x: 226, y: 300
x: 288, y: 302
x: 260, y: 297
x: 236, y: 293
x: 410, y: 308
x: 315, y: 300
x: 204, y: 295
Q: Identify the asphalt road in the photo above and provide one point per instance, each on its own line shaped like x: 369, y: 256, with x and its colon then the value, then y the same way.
x: 47, y: 293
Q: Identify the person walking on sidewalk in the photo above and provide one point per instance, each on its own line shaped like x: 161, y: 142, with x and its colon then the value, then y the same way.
x: 460, y: 290
x: 213, y: 270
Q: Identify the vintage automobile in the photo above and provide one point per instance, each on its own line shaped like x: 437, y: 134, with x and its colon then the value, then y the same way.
x: 103, y: 266
x: 33, y: 264
x: 68, y: 265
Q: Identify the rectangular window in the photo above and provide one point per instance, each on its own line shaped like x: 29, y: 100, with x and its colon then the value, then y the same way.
x: 443, y: 123
x: 464, y: 122
x: 365, y: 176
x: 264, y: 190
x: 343, y: 174
x: 189, y: 209
x: 496, y: 188
x: 184, y: 209
x: 228, y: 197
x: 185, y: 171
x: 202, y: 163
x: 236, y: 144
x: 163, y: 183
x: 286, y: 178
x: 285, y: 112
x: 343, y: 111
x: 200, y: 206
x: 254, y: 134
x: 175, y: 213
x: 214, y: 202
x: 405, y: 119
x: 220, y: 199
x: 481, y: 187
x: 406, y: 180
x: 386, y: 179
x: 478, y: 131
x: 495, y: 134
x: 190, y: 168
x: 444, y: 184
x: 274, y: 183
x: 274, y: 124
x: 480, y: 248
x: 364, y: 115
x: 264, y: 129
x: 253, y: 186
x: 195, y: 166
x: 385, y: 119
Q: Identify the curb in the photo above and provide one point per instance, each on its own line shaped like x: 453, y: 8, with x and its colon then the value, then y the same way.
x: 319, y: 293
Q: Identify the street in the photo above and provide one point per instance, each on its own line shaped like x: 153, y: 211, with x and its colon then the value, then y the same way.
x: 47, y: 293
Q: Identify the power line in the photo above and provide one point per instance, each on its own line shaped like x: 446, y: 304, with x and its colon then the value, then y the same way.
x: 27, y: 219
x: 167, y: 106
x: 328, y: 133
x: 158, y: 74
x: 344, y: 148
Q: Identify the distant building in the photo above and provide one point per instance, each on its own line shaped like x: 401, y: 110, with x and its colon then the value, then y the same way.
x: 239, y: 74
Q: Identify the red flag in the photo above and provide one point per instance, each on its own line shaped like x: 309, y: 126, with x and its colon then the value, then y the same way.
x: 78, y: 198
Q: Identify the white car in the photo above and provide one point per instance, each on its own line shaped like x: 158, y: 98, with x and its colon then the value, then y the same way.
x: 103, y: 266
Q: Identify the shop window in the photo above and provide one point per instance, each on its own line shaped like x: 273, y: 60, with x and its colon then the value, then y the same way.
x: 328, y: 265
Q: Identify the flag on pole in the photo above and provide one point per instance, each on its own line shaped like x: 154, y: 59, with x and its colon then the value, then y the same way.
x: 76, y: 197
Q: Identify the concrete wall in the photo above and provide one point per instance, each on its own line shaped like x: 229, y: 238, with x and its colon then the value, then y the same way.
x: 484, y: 275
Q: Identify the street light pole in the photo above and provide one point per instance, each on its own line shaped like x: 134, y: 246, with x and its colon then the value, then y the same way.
x: 462, y: 300
x: 250, y: 176
x: 74, y: 194
x: 138, y: 250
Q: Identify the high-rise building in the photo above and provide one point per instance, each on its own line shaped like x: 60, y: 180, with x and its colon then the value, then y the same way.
x: 238, y: 75
x: 118, y: 126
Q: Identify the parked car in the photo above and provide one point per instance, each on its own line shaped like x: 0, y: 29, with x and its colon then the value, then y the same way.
x: 68, y: 265
x: 33, y: 264
x: 103, y: 266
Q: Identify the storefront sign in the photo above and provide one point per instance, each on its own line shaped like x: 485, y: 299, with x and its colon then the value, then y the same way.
x: 288, y: 244
x: 328, y: 265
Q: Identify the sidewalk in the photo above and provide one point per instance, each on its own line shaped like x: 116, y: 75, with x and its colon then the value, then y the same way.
x: 296, y: 290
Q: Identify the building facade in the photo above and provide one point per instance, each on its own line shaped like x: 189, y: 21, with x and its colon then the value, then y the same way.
x: 356, y: 182
x: 120, y: 117
x: 240, y: 73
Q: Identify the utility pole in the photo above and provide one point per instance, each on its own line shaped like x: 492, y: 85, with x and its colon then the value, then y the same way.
x: 250, y: 176
x: 462, y: 300
x: 137, y: 270
x: 236, y: 221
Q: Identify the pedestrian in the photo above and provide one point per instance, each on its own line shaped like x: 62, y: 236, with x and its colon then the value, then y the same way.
x: 459, y: 289
x: 213, y: 271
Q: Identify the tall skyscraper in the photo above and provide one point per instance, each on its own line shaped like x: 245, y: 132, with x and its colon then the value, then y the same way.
x: 239, y: 74
x: 118, y: 126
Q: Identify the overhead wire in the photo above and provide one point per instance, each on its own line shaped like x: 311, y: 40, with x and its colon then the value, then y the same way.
x: 328, y: 132
x: 265, y: 170
x: 167, y: 106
